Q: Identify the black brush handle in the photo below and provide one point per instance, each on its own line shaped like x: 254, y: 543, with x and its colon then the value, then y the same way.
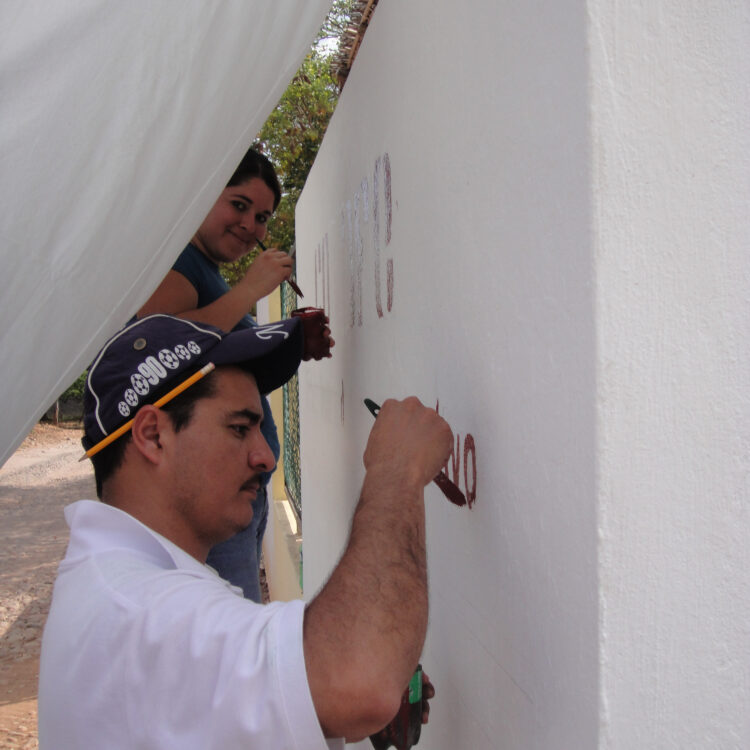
x: 447, y: 487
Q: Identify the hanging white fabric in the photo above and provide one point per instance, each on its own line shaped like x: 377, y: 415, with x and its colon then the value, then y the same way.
x: 121, y: 123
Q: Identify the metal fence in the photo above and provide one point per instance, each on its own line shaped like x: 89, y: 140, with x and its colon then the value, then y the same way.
x: 292, y: 477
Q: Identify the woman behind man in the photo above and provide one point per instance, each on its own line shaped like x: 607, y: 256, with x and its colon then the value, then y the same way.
x: 195, y: 289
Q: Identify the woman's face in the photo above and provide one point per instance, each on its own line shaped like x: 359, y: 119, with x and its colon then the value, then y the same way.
x: 236, y: 222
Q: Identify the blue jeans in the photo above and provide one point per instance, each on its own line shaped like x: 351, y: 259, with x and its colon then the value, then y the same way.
x: 237, y: 560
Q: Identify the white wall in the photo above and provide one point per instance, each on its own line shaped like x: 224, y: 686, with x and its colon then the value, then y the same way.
x: 671, y: 185
x: 570, y: 282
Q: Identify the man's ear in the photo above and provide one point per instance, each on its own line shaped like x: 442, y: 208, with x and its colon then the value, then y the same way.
x: 148, y: 426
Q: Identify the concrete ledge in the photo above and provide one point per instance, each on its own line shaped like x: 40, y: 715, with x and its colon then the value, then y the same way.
x: 281, y: 552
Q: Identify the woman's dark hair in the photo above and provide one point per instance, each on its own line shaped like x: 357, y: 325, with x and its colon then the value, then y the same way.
x: 180, y: 411
x: 254, y: 164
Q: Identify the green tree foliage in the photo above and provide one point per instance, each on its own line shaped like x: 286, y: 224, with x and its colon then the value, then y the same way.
x: 341, y: 15
x: 75, y: 390
x: 68, y: 404
x: 292, y: 135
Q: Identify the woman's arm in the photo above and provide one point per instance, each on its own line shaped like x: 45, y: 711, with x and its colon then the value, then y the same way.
x: 177, y: 296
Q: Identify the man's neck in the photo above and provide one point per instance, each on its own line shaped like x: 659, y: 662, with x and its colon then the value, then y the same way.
x: 151, y: 512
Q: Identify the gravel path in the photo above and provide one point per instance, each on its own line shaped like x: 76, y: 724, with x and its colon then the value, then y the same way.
x: 41, y: 477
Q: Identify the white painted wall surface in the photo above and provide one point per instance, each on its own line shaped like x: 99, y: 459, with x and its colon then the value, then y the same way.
x: 570, y: 280
x: 670, y: 88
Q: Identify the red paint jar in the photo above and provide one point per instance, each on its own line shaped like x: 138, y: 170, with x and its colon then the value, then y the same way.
x: 404, y: 731
x: 314, y: 321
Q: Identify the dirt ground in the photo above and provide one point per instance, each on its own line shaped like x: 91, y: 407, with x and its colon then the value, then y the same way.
x: 36, y: 483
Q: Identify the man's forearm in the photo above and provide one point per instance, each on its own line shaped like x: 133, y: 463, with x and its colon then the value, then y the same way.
x: 364, y: 632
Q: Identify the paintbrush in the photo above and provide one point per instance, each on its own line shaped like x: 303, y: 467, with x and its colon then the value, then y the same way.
x: 441, y: 480
x: 288, y: 281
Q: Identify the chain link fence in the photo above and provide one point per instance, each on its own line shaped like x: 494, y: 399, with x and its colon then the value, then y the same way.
x: 292, y: 477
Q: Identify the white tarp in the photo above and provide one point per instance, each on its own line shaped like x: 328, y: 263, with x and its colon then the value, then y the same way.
x: 121, y: 123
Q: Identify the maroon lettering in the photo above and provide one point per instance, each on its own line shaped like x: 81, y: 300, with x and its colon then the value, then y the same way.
x: 455, y: 460
x: 355, y: 214
x: 355, y: 262
x: 452, y: 466
x: 389, y: 282
x: 317, y: 275
x: 382, y: 175
x: 388, y: 204
x: 323, y: 275
x: 470, y: 451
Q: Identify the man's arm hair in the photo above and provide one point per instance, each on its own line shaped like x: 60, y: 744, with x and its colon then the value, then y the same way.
x: 365, y: 630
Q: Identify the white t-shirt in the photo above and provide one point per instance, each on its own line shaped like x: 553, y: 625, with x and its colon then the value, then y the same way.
x: 145, y: 647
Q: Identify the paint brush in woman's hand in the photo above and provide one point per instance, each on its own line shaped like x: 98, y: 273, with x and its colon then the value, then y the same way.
x: 288, y: 281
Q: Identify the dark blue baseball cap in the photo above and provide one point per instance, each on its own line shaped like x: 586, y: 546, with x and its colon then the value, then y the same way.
x: 150, y: 355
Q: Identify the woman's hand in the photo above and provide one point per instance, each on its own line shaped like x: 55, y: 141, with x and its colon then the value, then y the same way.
x: 266, y: 272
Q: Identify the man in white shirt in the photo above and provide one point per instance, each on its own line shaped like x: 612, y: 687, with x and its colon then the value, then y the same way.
x: 145, y: 646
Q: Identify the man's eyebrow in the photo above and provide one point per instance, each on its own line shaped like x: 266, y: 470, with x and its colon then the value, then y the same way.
x: 253, y: 417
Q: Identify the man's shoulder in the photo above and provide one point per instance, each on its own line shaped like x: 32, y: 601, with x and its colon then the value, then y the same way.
x: 110, y: 548
x: 142, y: 581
